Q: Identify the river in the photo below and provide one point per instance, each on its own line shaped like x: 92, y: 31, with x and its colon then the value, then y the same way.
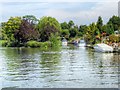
x: 68, y: 67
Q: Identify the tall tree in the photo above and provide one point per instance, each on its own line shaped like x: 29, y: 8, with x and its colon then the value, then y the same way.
x: 10, y: 27
x: 47, y: 26
x: 82, y: 30
x: 65, y: 33
x: 115, y: 21
x: 108, y: 29
x: 91, y: 33
x: 64, y: 25
x: 26, y: 32
x: 70, y: 24
x: 31, y: 19
x: 73, y: 32
x: 100, y: 24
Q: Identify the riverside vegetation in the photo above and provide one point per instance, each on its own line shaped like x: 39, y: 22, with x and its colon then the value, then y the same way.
x: 47, y: 31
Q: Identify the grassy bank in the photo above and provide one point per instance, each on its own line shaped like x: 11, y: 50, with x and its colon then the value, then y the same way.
x: 37, y: 44
x: 33, y: 44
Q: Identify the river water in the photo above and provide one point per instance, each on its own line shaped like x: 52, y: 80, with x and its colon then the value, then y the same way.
x: 68, y: 67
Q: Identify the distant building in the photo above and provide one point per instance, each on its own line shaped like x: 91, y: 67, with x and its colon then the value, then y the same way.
x: 119, y: 8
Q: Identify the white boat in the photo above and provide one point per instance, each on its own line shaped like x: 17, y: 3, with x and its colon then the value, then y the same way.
x: 82, y: 43
x: 103, y: 48
x: 64, y: 42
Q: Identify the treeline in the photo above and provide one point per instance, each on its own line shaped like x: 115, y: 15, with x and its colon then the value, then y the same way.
x: 21, y: 31
x: 28, y: 30
x: 93, y: 33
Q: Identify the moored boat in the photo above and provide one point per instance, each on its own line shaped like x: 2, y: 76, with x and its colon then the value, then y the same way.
x: 103, y: 48
x: 64, y: 42
x: 82, y: 43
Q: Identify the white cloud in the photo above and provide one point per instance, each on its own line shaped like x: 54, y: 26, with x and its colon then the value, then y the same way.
x: 62, y: 11
x: 106, y: 10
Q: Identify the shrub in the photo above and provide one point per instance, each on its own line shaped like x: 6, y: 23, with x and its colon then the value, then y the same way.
x: 55, y: 40
x: 32, y: 44
x: 114, y: 38
x: 37, y: 44
x: 45, y: 44
x: 3, y: 43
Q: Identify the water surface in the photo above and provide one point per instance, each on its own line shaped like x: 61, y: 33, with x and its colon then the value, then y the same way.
x: 69, y: 67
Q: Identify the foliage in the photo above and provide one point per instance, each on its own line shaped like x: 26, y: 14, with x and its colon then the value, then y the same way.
x: 114, y: 38
x: 1, y: 34
x: 82, y: 30
x: 3, y: 43
x: 108, y: 29
x: 91, y: 33
x: 46, y: 26
x: 115, y: 21
x: 55, y: 40
x: 26, y: 32
x: 65, y: 33
x: 100, y: 24
x: 70, y: 24
x: 31, y: 19
x: 73, y: 32
x: 38, y: 44
x: 18, y: 31
x: 10, y: 27
x: 64, y: 25
x: 33, y: 44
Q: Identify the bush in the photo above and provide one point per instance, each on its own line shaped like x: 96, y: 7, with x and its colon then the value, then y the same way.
x: 45, y: 44
x: 3, y: 43
x: 32, y: 44
x: 37, y: 44
x: 113, y: 38
x: 55, y: 40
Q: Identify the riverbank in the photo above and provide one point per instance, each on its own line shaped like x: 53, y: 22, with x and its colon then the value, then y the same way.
x: 34, y: 44
x: 47, y: 45
x: 115, y: 49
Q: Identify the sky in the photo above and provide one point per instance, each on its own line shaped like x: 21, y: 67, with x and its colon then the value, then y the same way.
x: 81, y: 12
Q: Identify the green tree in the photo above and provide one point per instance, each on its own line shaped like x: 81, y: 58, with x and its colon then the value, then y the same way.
x: 113, y: 38
x: 70, y: 24
x: 100, y: 24
x: 46, y: 26
x: 73, y: 32
x: 110, y: 29
x: 82, y: 30
x: 55, y: 40
x: 0, y: 33
x: 65, y: 33
x: 10, y: 27
x: 64, y: 25
x: 30, y: 19
x: 26, y: 32
x: 91, y: 32
x: 115, y: 21
x: 105, y: 28
x: 3, y: 36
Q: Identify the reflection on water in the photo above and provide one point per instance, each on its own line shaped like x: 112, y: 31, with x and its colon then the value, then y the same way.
x: 70, y: 67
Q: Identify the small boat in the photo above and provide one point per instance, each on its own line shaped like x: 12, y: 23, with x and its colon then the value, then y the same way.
x: 82, y: 43
x: 75, y: 43
x: 64, y: 42
x: 103, y: 48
